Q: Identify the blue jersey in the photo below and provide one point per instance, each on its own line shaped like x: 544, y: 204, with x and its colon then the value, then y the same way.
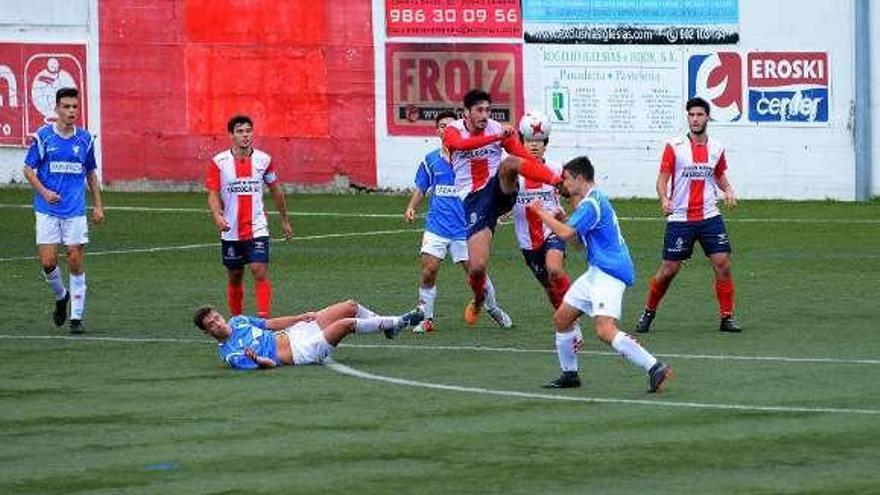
x: 446, y: 212
x: 247, y: 332
x: 597, y: 227
x: 61, y: 165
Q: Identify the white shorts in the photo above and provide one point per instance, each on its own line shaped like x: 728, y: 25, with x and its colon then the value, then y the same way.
x: 67, y: 231
x: 596, y: 294
x: 437, y: 247
x: 307, y: 343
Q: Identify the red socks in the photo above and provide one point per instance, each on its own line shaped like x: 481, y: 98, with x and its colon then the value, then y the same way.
x: 534, y: 170
x: 556, y: 291
x: 656, y: 291
x: 724, y: 292
x: 235, y: 298
x: 263, y: 290
x: 478, y: 285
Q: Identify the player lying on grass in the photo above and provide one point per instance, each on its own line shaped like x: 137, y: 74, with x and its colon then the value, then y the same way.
x: 247, y: 342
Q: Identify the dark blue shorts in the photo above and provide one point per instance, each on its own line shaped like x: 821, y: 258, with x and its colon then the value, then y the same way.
x: 537, y: 258
x: 678, y: 243
x: 237, y: 254
x: 483, y: 208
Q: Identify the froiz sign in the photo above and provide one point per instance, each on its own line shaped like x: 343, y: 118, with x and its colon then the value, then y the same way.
x: 425, y: 79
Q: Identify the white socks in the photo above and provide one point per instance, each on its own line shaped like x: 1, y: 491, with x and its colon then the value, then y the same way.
x: 426, y: 300
x: 77, y: 296
x: 565, y: 349
x: 53, y: 278
x: 372, y: 324
x: 632, y: 351
x: 490, y: 301
x: 365, y: 312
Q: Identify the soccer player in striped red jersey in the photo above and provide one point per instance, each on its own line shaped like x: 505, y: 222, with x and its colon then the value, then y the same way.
x: 475, y: 144
x: 234, y: 181
x: 696, y: 167
x: 544, y: 251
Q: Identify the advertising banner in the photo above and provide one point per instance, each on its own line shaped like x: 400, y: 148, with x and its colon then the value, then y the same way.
x: 787, y: 88
x: 453, y: 18
x: 605, y: 89
x: 425, y: 79
x: 631, y: 22
x: 30, y: 75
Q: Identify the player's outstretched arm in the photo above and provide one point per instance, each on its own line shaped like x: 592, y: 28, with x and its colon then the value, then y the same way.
x: 281, y: 206
x: 283, y: 322
x: 563, y: 230
x: 454, y: 141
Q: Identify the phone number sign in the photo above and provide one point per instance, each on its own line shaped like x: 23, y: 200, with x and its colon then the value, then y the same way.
x: 468, y: 18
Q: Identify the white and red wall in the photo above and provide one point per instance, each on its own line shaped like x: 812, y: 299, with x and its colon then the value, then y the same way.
x: 331, y: 85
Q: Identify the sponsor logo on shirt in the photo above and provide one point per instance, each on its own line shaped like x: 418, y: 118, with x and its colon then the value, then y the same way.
x: 479, y: 152
x: 524, y: 198
x: 449, y: 191
x: 244, y: 186
x: 696, y: 172
x: 65, y: 167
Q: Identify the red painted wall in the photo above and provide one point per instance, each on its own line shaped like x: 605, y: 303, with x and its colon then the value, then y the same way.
x: 174, y: 71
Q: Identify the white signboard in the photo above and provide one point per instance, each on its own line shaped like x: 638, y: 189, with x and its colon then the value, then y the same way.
x: 608, y: 89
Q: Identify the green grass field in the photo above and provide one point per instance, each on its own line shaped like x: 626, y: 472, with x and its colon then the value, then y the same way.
x: 141, y: 404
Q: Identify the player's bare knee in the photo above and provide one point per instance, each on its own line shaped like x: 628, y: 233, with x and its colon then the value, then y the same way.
x: 351, y: 306
x: 477, y: 270
x: 555, y: 273
x: 562, y: 320
x: 606, y: 328
x: 668, y: 271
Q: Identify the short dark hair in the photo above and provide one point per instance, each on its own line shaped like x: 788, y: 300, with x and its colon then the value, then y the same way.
x: 475, y: 96
x: 444, y: 114
x: 696, y: 101
x: 580, y: 167
x: 66, y: 93
x: 236, y: 120
x: 201, y: 313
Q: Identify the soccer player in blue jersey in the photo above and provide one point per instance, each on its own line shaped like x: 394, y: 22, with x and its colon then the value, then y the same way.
x: 60, y: 161
x: 599, y: 291
x: 248, y: 342
x: 445, y: 229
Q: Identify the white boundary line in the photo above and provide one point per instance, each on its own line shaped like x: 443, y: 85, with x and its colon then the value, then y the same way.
x: 349, y: 371
x: 163, y: 209
x: 397, y: 215
x: 159, y: 249
x: 713, y: 357
x: 513, y: 350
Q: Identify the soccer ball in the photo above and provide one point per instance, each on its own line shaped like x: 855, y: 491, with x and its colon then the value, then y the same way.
x: 534, y: 126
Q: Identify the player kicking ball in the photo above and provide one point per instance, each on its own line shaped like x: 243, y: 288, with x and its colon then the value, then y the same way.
x: 247, y: 342
x: 599, y: 291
